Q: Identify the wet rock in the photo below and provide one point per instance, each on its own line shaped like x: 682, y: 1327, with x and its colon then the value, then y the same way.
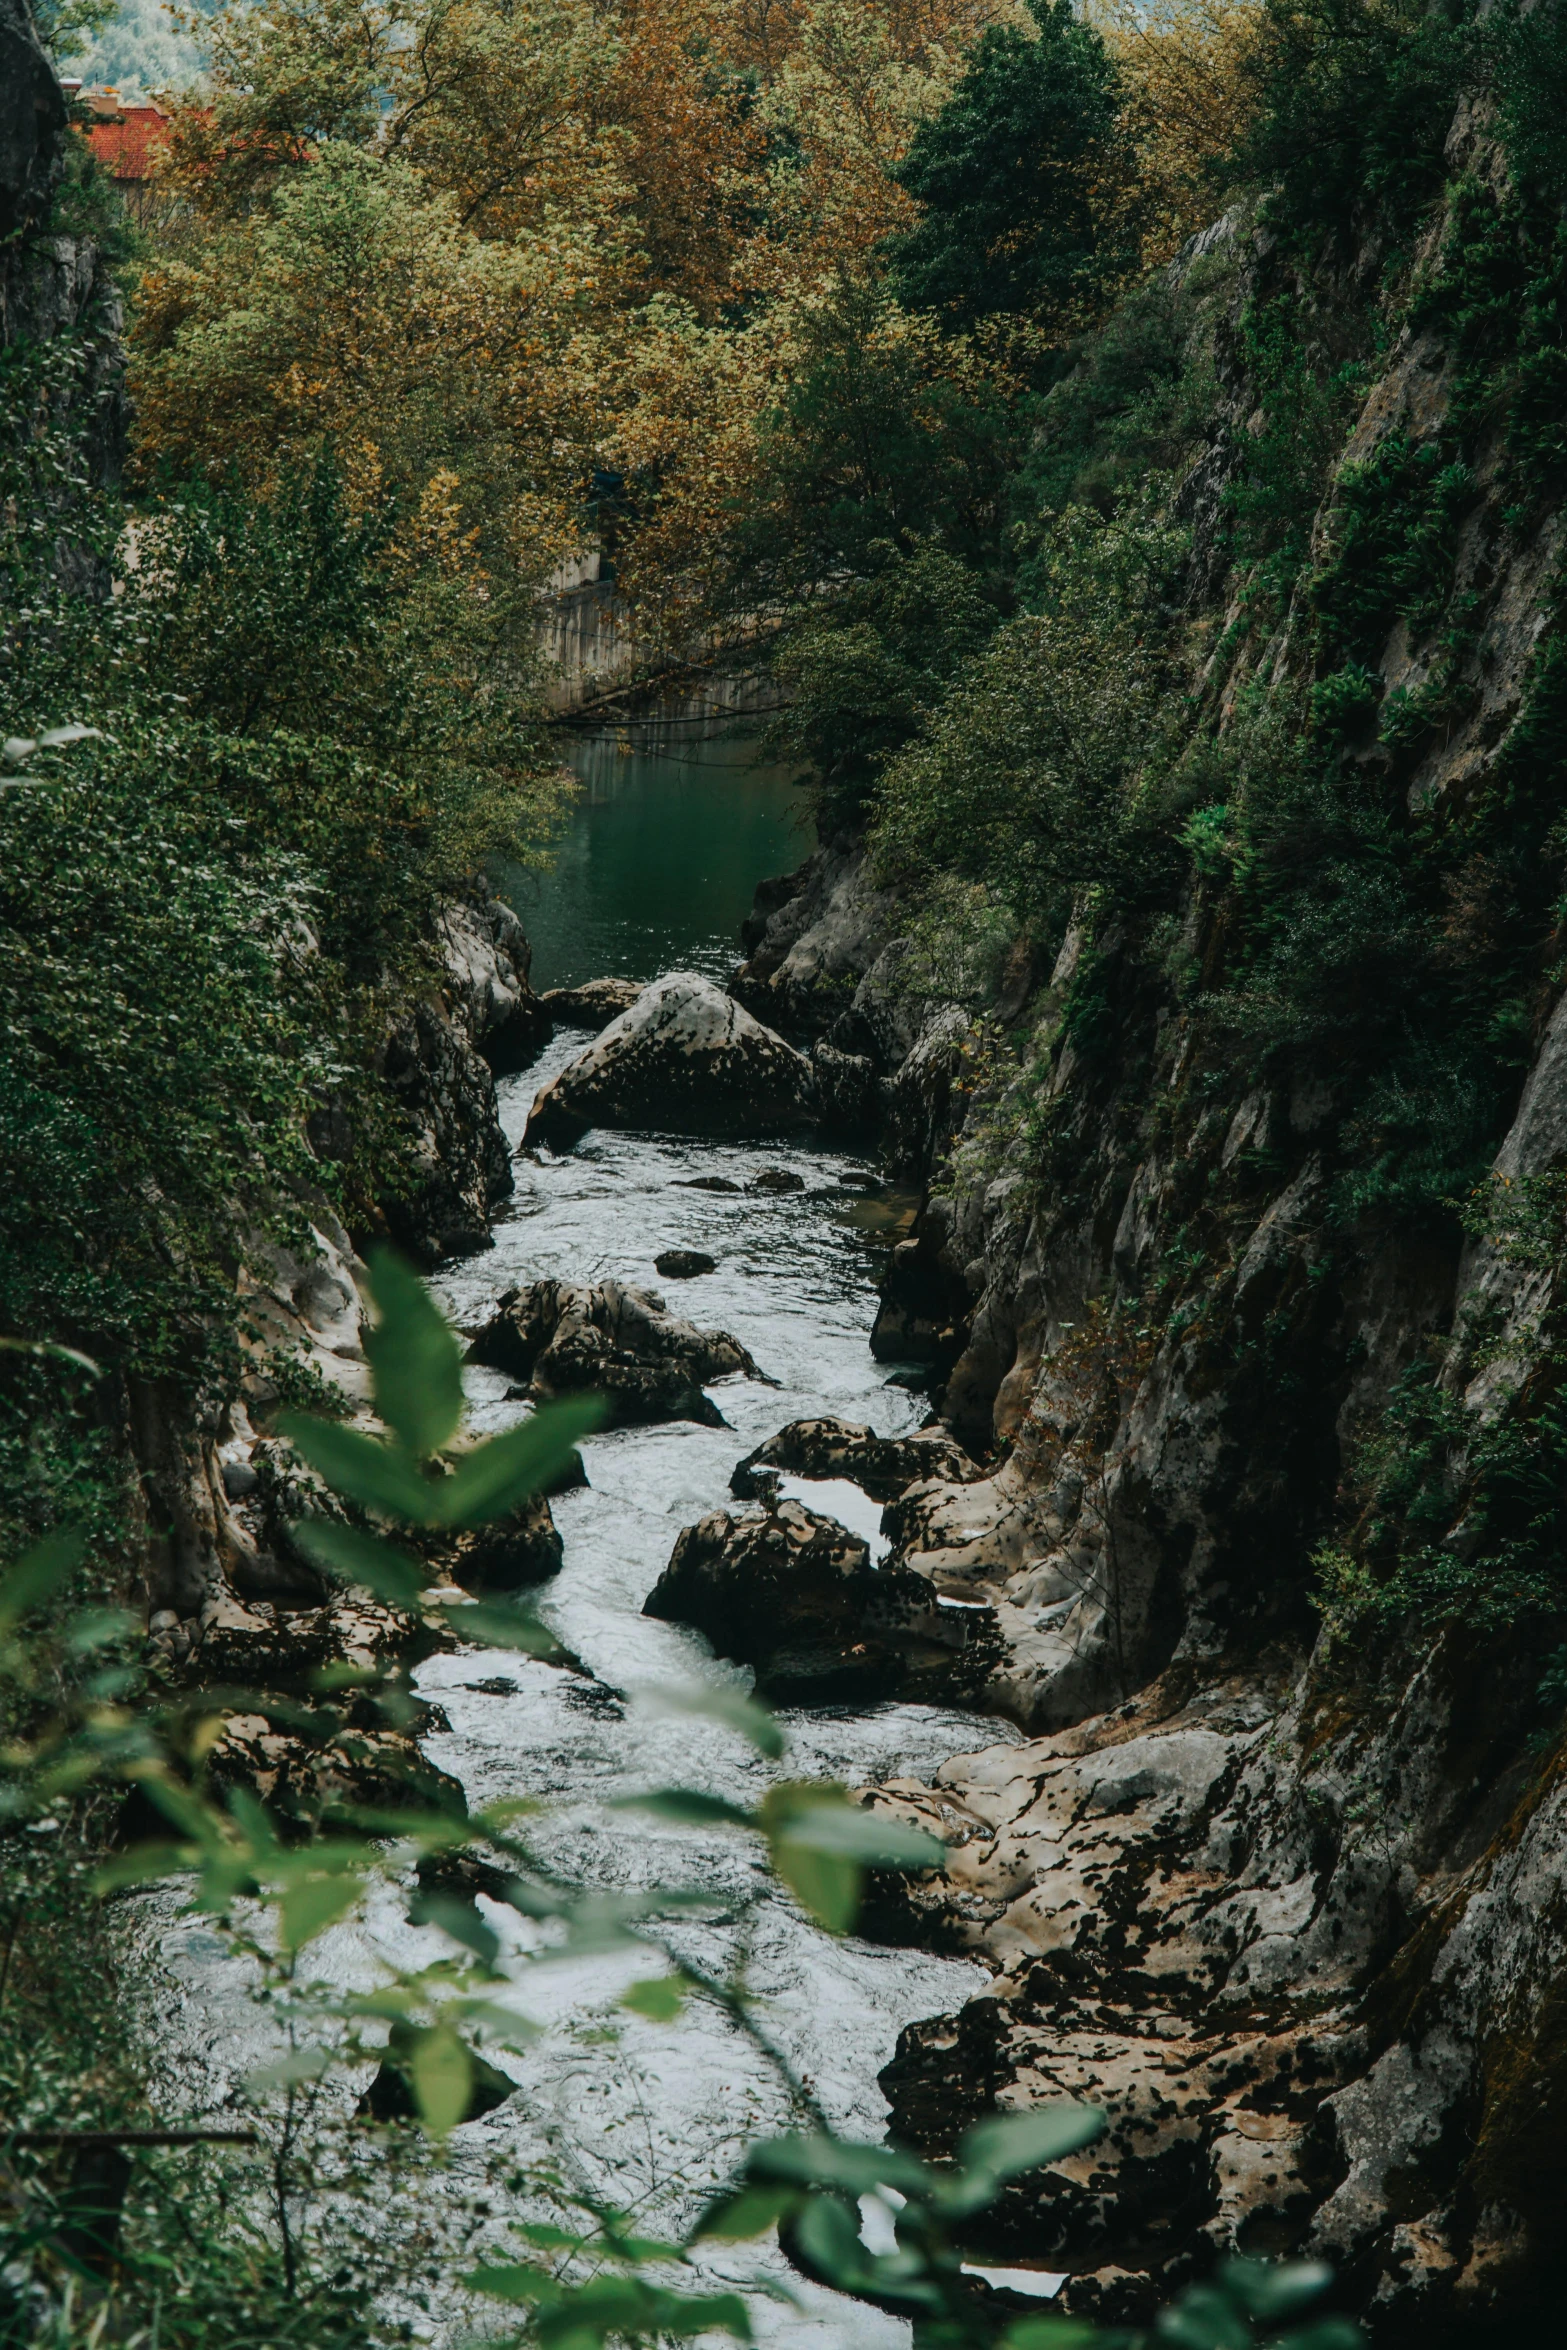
x: 684, y: 1264
x: 564, y: 1337
x: 260, y: 1645
x: 302, y: 1777
x: 813, y: 933
x: 512, y: 1554
x: 686, y: 1058
x: 709, y: 1183
x: 488, y: 960
x: 883, y: 1466
x: 776, y: 1179
x: 794, y: 1595
x: 459, y: 1161
x: 923, y: 1313
x: 594, y: 1004
x: 850, y: 1088
x: 390, y: 2096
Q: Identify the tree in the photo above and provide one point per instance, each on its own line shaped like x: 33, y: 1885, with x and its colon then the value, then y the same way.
x: 1020, y: 179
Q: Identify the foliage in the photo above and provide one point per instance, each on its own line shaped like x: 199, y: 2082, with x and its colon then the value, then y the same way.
x: 298, y: 727
x: 1017, y: 178
x: 865, y: 670
x: 1355, y: 99
x: 1042, y: 774
x: 1189, y: 76
x: 1134, y: 401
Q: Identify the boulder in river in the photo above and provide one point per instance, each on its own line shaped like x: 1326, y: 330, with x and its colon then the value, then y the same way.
x: 513, y: 1553
x: 562, y: 1337
x: 685, y: 1058
x: 794, y: 1595
x: 684, y: 1264
x: 594, y: 1004
x: 882, y: 1466
x: 776, y: 1179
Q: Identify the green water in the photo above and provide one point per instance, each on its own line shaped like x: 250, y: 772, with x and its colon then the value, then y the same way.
x: 658, y: 860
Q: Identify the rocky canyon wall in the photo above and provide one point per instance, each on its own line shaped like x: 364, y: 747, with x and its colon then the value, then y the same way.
x: 1287, y: 1896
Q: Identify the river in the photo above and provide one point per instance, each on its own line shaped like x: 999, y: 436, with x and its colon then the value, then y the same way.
x: 649, y: 2115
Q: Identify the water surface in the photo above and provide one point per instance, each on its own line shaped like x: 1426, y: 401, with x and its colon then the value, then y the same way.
x: 655, y: 2117
x: 660, y: 853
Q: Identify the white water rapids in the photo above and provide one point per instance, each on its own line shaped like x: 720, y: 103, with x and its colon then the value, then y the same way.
x: 645, y: 2115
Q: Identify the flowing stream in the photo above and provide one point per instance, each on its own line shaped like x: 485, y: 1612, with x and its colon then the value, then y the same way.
x: 647, y: 2115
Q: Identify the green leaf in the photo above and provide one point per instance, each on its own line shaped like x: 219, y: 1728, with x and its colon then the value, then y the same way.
x: 821, y: 1845
x: 1203, y: 2319
x: 98, y: 1627
x: 305, y: 2064
x: 415, y: 1361
x: 728, y: 1706
x: 512, y: 2280
x: 825, y: 1886
x: 310, y: 1904
x: 1325, y: 2333
x: 828, y: 2236
x: 144, y: 1865
x: 1010, y: 2144
x: 377, y: 1476
x: 363, y: 1558
x: 441, y: 2072
x: 459, y: 1919
x: 1271, y: 2290
x: 817, y: 2160
x: 1050, y: 2333
x: 750, y: 2211
x: 659, y: 1997
x: 688, y: 1807
x: 494, y: 1477
x: 846, y: 1832
x: 490, y: 1623
x: 40, y: 1572
x: 620, y: 2306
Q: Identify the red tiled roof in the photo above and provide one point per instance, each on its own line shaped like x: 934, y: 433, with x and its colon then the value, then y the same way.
x: 124, y: 144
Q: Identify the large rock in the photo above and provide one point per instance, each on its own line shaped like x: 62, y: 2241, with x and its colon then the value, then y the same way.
x: 794, y: 1595
x: 488, y: 959
x: 565, y: 1337
x: 592, y: 1005
x: 685, y: 1058
x: 511, y: 1554
x: 883, y: 1466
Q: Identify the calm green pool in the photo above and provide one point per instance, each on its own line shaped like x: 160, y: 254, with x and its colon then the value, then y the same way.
x: 658, y: 859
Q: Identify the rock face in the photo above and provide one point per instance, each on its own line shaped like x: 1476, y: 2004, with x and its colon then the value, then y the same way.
x: 884, y: 1466
x: 686, y: 1058
x: 594, y: 1004
x: 562, y: 1337
x: 1313, y: 1976
x: 794, y: 1595
x: 488, y: 959
x: 52, y: 285
x: 439, y: 1060
x: 1291, y: 1902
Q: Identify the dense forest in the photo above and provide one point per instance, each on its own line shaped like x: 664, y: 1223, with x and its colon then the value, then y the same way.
x: 1130, y: 441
